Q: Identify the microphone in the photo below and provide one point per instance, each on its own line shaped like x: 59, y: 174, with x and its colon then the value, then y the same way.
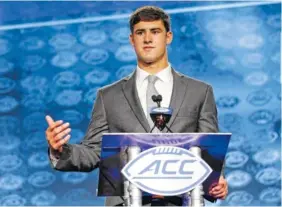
x: 160, y: 115
x: 157, y: 99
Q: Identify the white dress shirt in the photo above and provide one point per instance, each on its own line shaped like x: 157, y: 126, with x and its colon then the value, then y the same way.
x: 164, y: 85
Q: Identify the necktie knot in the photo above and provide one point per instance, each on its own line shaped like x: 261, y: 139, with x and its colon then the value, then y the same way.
x: 152, y: 79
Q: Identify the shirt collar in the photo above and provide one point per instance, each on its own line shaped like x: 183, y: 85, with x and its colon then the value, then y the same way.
x: 164, y: 75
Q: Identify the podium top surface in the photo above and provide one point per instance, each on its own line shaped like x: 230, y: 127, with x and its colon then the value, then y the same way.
x: 212, y: 141
x: 165, y: 134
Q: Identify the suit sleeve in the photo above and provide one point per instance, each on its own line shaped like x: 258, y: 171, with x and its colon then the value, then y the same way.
x: 208, y: 113
x: 208, y: 121
x: 86, y: 155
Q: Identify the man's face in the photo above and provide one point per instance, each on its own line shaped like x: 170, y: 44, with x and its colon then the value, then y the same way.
x: 149, y: 40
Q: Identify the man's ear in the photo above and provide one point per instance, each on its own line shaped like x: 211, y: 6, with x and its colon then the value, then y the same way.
x: 131, y: 39
x: 169, y: 37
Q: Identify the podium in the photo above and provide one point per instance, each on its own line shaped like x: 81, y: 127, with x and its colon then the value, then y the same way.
x: 183, y: 165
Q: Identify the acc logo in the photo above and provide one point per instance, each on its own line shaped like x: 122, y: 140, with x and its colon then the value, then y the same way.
x: 166, y: 170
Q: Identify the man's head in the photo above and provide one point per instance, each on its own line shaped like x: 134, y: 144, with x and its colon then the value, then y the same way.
x: 148, y: 14
x: 150, y: 33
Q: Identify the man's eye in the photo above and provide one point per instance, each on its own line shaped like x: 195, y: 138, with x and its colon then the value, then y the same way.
x: 139, y: 33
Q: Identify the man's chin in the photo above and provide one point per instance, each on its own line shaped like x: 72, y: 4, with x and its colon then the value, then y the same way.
x: 149, y: 61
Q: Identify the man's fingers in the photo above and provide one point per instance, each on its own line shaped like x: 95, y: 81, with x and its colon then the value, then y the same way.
x: 215, y: 192
x: 220, y: 190
x: 60, y: 128
x: 62, y: 134
x: 217, y: 188
x: 54, y: 125
x: 49, y: 120
x: 219, y: 193
x: 61, y: 142
x: 220, y: 196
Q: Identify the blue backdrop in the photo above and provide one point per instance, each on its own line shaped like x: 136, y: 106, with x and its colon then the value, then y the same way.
x: 52, y: 67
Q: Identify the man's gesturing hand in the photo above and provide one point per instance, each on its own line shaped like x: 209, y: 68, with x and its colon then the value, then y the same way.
x: 57, y: 134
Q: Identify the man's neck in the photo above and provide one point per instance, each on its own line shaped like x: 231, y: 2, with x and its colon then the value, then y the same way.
x: 153, y: 68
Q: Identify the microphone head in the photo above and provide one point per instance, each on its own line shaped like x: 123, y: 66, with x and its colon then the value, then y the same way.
x: 154, y: 98
x: 159, y: 97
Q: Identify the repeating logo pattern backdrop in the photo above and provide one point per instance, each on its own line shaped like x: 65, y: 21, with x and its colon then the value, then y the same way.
x: 57, y: 70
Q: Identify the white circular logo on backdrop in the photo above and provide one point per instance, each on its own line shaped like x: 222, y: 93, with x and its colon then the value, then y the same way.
x: 69, y: 97
x: 267, y: 156
x: 43, y: 198
x: 32, y: 43
x: 12, y: 200
x: 121, y: 35
x: 6, y: 85
x: 11, y: 182
x: 5, y: 46
x: 67, y: 79
x: 5, y: 66
x: 38, y: 159
x: 125, y: 53
x: 125, y: 71
x: 41, y: 179
x: 95, y: 56
x: 236, y: 159
x: 33, y: 62
x: 238, y: 179
x: 96, y: 76
x: 62, y: 41
x: 93, y: 37
x: 8, y: 104
x: 10, y: 162
x: 64, y: 59
x: 251, y: 41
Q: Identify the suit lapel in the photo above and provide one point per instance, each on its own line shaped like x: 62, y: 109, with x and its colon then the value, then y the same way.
x: 131, y: 94
x: 178, y: 94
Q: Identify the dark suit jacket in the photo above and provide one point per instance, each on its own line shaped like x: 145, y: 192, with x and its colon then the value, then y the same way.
x: 117, y: 109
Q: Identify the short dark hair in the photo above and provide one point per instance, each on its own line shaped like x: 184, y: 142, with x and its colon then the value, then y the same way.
x: 149, y: 13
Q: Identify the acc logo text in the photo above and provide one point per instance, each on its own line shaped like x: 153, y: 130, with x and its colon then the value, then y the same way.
x: 166, y: 170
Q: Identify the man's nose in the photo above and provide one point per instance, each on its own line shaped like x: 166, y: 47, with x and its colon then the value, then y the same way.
x: 147, y: 38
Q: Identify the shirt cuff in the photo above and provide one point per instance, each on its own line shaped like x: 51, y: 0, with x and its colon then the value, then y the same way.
x: 54, y: 158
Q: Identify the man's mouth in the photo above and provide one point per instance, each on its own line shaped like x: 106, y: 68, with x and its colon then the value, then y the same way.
x: 148, y: 48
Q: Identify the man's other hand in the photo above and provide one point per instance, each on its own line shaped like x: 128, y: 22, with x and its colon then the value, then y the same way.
x: 57, y: 134
x: 220, y: 190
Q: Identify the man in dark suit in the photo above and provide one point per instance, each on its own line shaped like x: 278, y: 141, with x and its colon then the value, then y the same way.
x: 123, y: 106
